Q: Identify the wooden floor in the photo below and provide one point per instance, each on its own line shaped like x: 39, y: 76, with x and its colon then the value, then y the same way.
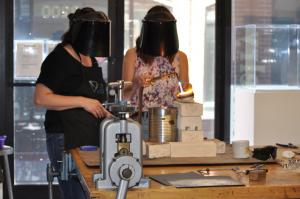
x: 279, y: 183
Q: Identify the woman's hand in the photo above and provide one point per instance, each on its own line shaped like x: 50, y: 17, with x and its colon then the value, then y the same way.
x: 144, y: 80
x: 94, y: 107
x: 45, y: 97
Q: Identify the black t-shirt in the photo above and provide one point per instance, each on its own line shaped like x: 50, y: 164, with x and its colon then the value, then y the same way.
x: 62, y: 73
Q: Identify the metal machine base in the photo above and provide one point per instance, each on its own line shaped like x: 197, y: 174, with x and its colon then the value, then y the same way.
x: 106, y: 183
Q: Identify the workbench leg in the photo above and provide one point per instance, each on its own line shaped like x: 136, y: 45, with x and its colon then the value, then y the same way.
x: 8, y: 179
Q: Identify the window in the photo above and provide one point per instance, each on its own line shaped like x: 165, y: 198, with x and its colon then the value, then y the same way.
x: 265, y: 61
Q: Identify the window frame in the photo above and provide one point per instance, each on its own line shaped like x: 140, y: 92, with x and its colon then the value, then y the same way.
x: 223, y: 70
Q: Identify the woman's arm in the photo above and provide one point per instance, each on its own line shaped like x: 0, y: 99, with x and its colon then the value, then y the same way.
x: 128, y: 70
x: 183, y: 67
x: 45, y: 97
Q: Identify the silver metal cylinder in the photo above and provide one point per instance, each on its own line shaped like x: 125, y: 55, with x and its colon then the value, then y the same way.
x: 122, y: 189
x: 162, y: 124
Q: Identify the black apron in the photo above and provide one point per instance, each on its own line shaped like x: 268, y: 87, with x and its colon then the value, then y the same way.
x: 81, y: 127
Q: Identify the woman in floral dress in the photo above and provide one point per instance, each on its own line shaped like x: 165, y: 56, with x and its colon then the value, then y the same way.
x: 155, y: 65
x: 157, y: 75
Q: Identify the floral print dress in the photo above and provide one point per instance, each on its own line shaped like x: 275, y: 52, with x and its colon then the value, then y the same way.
x: 162, y: 90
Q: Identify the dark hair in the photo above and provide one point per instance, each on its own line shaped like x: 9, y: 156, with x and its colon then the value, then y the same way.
x: 159, y: 13
x: 156, y: 13
x: 81, y: 14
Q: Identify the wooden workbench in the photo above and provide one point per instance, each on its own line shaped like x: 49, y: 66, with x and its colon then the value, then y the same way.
x: 279, y: 183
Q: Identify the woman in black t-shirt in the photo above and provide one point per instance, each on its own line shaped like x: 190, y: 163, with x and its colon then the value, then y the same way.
x: 71, y: 87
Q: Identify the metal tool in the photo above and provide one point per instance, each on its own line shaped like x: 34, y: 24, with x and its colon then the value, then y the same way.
x: 289, y: 145
x: 207, y: 170
x: 290, y: 164
x: 256, y: 172
x: 121, y: 148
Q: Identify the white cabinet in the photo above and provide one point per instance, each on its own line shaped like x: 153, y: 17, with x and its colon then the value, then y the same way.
x: 265, y: 116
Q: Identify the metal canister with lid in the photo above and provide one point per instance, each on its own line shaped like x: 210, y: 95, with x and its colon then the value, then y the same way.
x: 162, y: 124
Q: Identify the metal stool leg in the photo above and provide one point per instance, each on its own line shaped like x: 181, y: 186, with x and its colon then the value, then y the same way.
x: 50, y: 177
x: 64, y: 173
x: 8, y: 179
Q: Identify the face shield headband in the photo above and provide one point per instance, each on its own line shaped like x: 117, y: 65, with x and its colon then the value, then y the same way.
x: 159, y: 38
x: 91, y: 37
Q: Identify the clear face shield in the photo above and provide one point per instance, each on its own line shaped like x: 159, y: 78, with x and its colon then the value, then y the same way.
x: 91, y: 37
x: 159, y: 38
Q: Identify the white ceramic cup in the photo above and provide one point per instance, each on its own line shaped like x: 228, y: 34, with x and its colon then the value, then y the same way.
x: 241, y: 149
